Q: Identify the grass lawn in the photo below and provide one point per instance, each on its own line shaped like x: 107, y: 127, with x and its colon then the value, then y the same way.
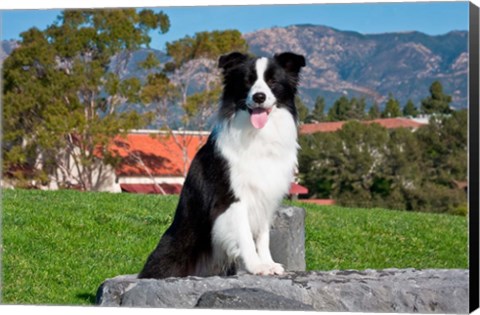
x: 59, y: 246
x: 345, y: 238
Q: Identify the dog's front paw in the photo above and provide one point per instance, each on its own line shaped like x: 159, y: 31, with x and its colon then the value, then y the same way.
x: 268, y: 269
x: 277, y: 269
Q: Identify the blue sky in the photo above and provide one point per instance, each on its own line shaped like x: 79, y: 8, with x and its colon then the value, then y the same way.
x: 433, y: 18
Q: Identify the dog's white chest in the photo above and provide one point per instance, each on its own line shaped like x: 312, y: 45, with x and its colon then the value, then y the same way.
x: 262, y: 162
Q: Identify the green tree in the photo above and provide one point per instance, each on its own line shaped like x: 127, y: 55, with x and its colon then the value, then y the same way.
x: 185, y: 92
x: 343, y: 165
x: 392, y: 108
x: 445, y: 145
x: 400, y: 171
x: 444, y: 163
x: 357, y: 108
x: 366, y: 165
x: 302, y: 109
x: 362, y: 154
x: 374, y: 111
x: 438, y: 102
x: 62, y: 90
x: 320, y: 163
x: 199, y: 109
x: 160, y: 93
x: 346, y: 109
x: 209, y: 45
x: 194, y: 62
x: 318, y: 112
x: 410, y: 110
x: 194, y: 59
x: 339, y: 109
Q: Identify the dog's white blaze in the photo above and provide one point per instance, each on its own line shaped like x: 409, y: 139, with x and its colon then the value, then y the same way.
x: 260, y: 86
x: 262, y: 163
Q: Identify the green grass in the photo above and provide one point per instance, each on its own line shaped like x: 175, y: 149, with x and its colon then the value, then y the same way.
x: 345, y: 238
x: 58, y: 247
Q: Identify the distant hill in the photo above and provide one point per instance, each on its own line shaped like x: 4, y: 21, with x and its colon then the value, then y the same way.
x: 354, y: 64
x: 343, y: 62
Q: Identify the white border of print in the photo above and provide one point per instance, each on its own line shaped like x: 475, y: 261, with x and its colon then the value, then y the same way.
x: 51, y: 4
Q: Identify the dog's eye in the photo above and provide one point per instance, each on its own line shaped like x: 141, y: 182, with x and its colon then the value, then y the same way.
x: 271, y: 81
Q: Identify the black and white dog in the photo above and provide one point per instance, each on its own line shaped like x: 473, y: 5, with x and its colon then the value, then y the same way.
x: 239, y: 177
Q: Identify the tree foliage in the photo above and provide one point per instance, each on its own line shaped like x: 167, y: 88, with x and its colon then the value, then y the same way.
x: 366, y: 165
x: 410, y: 110
x: 392, y: 108
x: 374, y: 111
x: 302, y: 110
x: 347, y: 109
x: 209, y: 45
x: 445, y: 146
x: 355, y: 108
x: 61, y: 92
x: 185, y: 92
x: 318, y: 112
x: 194, y: 74
x: 438, y: 102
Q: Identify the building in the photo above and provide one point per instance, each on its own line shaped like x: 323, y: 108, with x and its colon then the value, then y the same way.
x: 157, y: 162
x: 153, y: 161
x: 389, y: 123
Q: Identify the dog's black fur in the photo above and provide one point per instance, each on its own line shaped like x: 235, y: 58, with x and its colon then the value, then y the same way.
x: 205, y: 195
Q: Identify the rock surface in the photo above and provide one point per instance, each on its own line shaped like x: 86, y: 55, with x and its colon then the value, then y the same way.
x: 287, y: 238
x: 389, y: 290
x: 249, y: 299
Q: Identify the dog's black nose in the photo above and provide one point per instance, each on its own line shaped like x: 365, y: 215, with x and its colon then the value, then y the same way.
x: 259, y: 97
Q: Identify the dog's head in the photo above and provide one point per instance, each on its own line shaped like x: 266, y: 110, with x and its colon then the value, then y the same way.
x: 257, y: 85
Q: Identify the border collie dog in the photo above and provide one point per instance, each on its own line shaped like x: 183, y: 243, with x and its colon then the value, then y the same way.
x: 239, y: 177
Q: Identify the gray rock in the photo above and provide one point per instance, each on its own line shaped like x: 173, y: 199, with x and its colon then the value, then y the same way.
x: 390, y: 290
x: 249, y: 299
x: 287, y: 238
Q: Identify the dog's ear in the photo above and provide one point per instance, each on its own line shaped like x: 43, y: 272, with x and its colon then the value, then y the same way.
x: 291, y: 62
x: 230, y: 60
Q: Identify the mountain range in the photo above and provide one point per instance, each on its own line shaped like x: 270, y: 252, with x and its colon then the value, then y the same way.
x: 353, y: 64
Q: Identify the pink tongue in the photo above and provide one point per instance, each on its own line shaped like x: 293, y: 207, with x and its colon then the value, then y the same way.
x: 259, y: 117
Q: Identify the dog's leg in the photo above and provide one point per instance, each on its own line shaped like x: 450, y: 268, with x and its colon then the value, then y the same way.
x: 263, y: 249
x: 232, y: 233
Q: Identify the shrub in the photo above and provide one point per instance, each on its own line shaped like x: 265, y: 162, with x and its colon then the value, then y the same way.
x: 461, y: 210
x: 435, y: 198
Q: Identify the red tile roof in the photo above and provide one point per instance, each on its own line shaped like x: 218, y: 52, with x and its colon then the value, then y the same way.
x: 297, y: 189
x: 161, y: 154
x: 391, y: 123
x: 321, y: 127
x: 388, y: 123
x: 321, y: 202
